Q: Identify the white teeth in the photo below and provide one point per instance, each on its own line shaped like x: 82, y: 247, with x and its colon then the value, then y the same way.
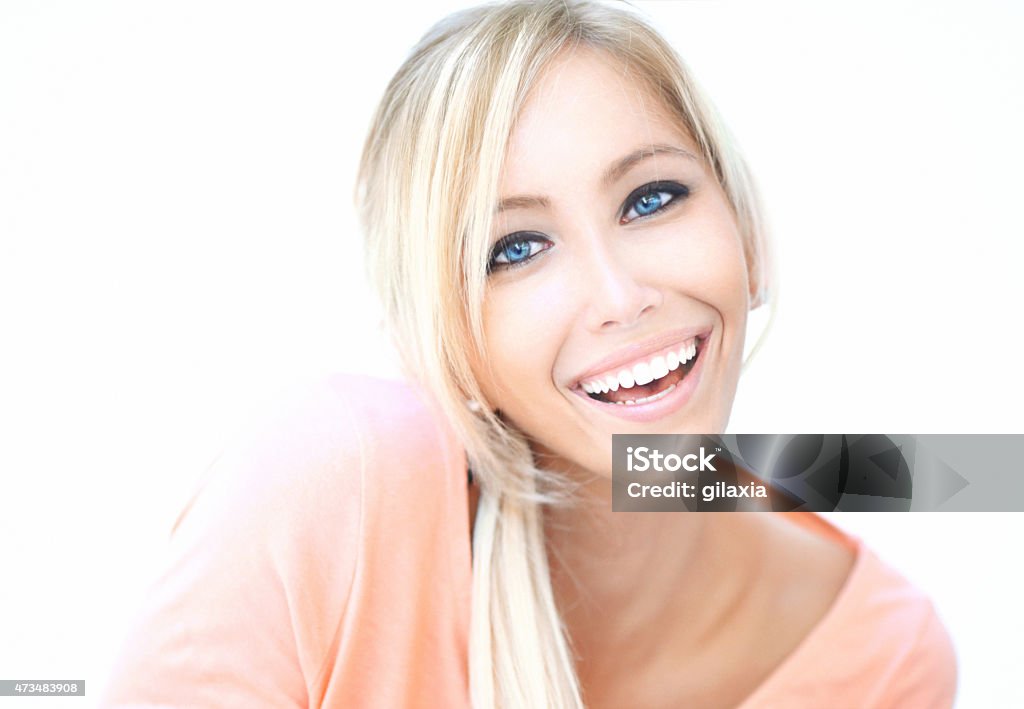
x: 642, y: 373
x: 644, y: 400
x: 686, y: 353
x: 655, y: 397
x: 659, y: 368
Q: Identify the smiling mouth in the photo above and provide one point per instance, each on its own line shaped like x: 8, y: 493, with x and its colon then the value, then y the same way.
x: 647, y: 380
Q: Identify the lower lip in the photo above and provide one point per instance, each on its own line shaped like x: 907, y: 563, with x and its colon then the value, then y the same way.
x: 659, y: 409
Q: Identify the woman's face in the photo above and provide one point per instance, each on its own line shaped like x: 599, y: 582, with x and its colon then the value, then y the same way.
x: 618, y: 292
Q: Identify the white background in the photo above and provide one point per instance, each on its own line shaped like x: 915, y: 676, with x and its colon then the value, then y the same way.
x: 177, y: 247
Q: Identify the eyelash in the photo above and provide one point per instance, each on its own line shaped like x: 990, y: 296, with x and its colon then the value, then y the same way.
x: 675, y: 190
x: 519, y: 237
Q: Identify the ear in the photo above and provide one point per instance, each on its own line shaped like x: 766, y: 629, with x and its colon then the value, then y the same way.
x: 757, y: 294
x: 757, y: 297
x: 758, y: 285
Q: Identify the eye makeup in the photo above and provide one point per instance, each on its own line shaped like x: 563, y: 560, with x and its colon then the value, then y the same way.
x: 652, y: 198
x: 515, y: 249
x: 520, y: 247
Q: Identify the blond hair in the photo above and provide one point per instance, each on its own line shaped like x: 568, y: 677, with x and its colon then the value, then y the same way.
x: 427, y: 192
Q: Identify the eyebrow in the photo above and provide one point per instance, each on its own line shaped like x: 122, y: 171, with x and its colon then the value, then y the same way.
x: 523, y: 202
x: 624, y: 165
x: 619, y: 168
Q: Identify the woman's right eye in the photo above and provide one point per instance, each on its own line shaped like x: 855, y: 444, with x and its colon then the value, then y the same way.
x: 516, y: 249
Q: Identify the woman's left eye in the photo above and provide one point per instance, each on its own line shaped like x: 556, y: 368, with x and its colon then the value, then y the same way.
x: 653, y: 197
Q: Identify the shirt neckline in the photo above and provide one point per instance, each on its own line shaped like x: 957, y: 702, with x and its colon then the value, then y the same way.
x: 839, y: 607
x: 809, y: 520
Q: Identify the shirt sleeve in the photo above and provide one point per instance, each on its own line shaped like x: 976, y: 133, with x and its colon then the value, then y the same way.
x: 926, y: 678
x: 261, y: 563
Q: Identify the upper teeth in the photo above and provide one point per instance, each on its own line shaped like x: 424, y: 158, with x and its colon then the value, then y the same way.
x: 643, y: 372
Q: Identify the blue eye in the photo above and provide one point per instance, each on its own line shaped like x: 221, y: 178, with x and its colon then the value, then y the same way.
x: 649, y: 203
x: 516, y: 249
x: 651, y: 198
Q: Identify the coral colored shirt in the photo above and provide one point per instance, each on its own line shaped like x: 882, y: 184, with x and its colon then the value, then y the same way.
x: 326, y: 563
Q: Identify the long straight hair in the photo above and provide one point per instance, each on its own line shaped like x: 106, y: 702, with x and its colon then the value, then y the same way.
x: 427, y: 191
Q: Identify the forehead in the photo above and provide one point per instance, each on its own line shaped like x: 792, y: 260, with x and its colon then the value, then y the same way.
x: 585, y: 112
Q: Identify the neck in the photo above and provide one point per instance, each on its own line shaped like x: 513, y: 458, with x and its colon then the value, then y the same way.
x: 625, y: 582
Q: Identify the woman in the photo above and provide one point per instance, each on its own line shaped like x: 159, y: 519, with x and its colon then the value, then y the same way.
x: 566, y: 246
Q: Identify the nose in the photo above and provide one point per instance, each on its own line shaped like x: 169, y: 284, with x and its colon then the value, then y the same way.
x: 618, y: 294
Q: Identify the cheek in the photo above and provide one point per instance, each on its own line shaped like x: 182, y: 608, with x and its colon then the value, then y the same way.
x: 725, y: 281
x: 704, y: 262
x: 719, y: 270
x: 703, y: 259
x: 523, y: 325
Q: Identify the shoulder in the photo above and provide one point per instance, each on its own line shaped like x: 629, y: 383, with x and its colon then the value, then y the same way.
x: 326, y: 445
x: 915, y: 660
x: 343, y: 486
x: 880, y: 641
x: 342, y: 473
x: 339, y: 475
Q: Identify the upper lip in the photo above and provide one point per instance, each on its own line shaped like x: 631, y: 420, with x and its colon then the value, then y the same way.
x: 637, y: 351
